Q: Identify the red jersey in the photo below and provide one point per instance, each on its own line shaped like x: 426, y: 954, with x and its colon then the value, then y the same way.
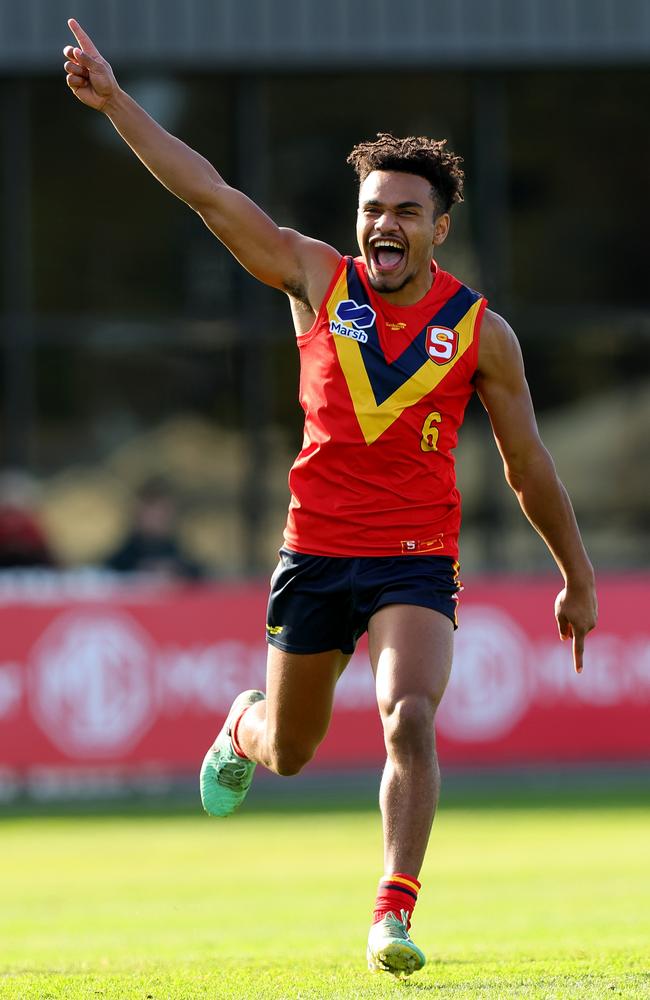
x: 384, y: 390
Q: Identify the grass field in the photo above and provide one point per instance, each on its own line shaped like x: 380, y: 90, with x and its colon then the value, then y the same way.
x: 526, y: 897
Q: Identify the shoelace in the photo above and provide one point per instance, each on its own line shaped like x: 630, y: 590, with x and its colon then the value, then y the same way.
x: 399, y: 924
x: 233, y: 775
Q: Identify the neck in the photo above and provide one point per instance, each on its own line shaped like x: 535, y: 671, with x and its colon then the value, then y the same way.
x: 410, y: 293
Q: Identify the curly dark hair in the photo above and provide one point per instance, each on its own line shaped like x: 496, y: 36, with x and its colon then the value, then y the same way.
x: 418, y: 155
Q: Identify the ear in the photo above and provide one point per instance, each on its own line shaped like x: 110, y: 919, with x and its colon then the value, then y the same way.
x: 441, y: 228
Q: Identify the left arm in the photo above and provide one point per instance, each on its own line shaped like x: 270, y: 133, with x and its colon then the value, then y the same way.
x: 529, y: 470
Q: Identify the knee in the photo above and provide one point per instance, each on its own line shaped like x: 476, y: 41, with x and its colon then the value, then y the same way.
x: 409, y: 725
x: 289, y: 758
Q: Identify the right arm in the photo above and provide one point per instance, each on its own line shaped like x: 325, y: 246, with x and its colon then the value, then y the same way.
x: 530, y: 471
x: 279, y: 257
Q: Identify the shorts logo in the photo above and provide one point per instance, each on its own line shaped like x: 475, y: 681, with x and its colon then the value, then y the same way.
x: 274, y: 629
x: 354, y: 319
x: 417, y: 545
x: 441, y: 344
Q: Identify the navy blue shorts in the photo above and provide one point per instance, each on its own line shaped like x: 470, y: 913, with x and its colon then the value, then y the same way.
x: 318, y: 603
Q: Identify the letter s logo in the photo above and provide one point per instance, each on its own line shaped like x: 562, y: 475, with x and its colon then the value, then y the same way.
x: 442, y: 344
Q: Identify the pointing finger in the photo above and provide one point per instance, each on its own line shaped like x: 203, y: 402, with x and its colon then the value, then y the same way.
x: 84, y: 40
x: 578, y: 649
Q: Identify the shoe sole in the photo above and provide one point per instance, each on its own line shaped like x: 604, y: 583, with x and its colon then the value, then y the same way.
x: 398, y: 958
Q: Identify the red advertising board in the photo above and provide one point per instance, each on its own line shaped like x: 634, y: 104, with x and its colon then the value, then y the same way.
x: 138, y: 682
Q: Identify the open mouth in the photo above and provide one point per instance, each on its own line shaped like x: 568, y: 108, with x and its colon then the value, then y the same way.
x: 387, y: 255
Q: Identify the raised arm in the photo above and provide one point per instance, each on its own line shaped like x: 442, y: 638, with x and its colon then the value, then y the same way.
x: 282, y: 258
x: 530, y: 471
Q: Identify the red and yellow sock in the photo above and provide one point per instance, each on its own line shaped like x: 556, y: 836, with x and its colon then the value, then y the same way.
x: 396, y: 892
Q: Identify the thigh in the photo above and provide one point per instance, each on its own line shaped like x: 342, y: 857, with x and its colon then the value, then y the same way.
x: 300, y: 693
x: 411, y: 650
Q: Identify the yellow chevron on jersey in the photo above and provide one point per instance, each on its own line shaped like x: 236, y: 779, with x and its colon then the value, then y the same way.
x: 375, y: 416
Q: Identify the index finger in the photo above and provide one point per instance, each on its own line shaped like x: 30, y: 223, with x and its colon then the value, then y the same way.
x: 85, y: 41
x: 578, y: 650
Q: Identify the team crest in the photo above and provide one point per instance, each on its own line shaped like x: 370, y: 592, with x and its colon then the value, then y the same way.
x: 441, y: 344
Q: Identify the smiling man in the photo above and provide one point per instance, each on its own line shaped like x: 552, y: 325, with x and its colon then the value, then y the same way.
x: 391, y: 348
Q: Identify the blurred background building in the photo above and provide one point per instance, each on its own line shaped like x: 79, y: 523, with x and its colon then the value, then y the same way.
x: 133, y: 345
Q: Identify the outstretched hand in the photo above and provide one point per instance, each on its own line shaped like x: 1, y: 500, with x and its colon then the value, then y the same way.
x: 88, y: 75
x: 576, y: 614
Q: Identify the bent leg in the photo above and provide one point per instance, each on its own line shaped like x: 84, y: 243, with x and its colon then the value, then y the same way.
x: 411, y: 652
x: 284, y: 731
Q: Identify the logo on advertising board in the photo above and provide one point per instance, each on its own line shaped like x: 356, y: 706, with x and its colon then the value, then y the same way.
x: 441, y: 344
x: 489, y: 690
x: 91, y: 684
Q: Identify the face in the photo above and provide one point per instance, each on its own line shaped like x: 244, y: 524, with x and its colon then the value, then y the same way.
x: 397, y: 232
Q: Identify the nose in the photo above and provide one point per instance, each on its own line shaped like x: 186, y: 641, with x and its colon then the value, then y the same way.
x: 385, y: 222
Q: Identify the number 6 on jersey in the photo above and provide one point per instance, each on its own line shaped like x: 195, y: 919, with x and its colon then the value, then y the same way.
x: 430, y: 432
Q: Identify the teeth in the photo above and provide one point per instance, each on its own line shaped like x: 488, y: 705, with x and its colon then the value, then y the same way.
x: 388, y: 243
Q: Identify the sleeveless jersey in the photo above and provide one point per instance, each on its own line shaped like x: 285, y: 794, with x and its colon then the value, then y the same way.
x: 384, y: 390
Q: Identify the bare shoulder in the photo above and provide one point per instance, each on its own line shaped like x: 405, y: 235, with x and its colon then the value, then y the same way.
x: 499, y: 350
x: 317, y: 261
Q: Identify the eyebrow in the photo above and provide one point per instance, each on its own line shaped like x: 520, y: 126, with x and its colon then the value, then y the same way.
x: 374, y: 203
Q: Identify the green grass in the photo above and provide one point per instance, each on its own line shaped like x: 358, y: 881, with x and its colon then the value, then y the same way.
x: 519, y: 900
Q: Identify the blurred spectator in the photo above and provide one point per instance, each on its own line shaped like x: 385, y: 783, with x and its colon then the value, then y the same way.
x: 22, y: 540
x: 151, y: 546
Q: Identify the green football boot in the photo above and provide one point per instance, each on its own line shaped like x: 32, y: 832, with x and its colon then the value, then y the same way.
x: 390, y: 948
x: 225, y: 776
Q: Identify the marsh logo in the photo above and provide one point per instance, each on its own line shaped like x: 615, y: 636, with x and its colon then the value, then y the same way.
x: 489, y: 691
x: 354, y: 320
x: 91, y: 684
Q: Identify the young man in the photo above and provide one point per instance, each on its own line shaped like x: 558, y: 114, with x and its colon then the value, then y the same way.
x: 391, y: 349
